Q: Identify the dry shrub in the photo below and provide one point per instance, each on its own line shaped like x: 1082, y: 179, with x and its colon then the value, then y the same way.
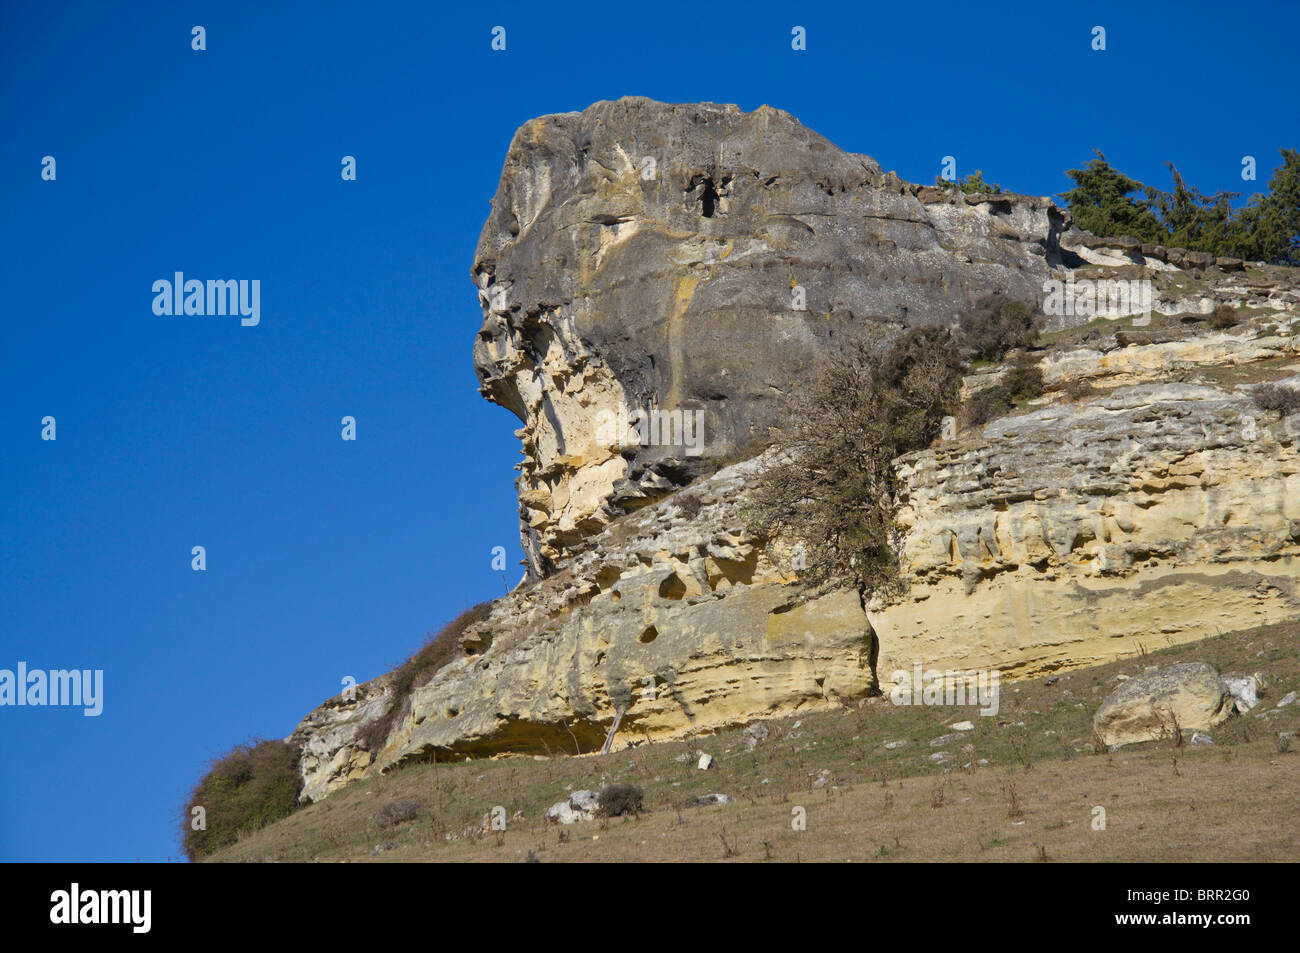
x: 1223, y: 316
x: 997, y: 325
x: 440, y: 648
x: 833, y: 487
x: 619, y: 799
x: 1279, y: 398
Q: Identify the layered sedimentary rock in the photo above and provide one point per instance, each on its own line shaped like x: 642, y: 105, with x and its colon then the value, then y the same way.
x: 1161, y: 507
x: 645, y: 257
x: 677, y: 618
x: 1154, y: 515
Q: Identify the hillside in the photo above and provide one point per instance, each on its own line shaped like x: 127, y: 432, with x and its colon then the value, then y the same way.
x: 866, y: 798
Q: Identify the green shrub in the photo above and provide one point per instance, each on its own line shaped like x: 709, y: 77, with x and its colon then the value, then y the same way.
x: 619, y: 799
x: 440, y: 648
x: 986, y: 405
x: 996, y: 325
x: 244, y: 790
x: 971, y: 184
x: 1266, y: 228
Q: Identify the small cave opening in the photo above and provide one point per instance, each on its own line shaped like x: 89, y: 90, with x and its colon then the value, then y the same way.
x: 709, y: 196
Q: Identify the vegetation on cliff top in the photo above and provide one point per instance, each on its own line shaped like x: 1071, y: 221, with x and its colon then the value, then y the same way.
x: 1109, y: 203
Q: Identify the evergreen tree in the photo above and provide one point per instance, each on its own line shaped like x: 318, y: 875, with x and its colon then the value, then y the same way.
x: 1196, y: 221
x: 1270, y: 222
x: 1102, y: 202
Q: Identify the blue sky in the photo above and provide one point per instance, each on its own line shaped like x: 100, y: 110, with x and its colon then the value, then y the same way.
x: 328, y: 558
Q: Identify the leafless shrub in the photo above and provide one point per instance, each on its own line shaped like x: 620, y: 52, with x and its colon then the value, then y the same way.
x: 398, y: 812
x: 728, y: 846
x: 834, y: 488
x: 996, y: 325
x: 1014, y: 810
x: 1279, y: 398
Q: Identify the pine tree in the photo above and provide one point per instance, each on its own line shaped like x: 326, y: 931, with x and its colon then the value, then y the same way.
x: 1101, y: 202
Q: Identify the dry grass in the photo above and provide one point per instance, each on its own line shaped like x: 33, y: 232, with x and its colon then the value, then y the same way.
x: 1033, y: 799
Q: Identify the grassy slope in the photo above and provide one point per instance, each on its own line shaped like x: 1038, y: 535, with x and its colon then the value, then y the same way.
x: 1234, y: 800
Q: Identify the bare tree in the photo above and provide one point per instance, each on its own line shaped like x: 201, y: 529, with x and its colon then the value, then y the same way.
x: 834, y: 485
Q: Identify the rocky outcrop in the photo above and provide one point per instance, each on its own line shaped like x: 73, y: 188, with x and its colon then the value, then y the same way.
x: 643, y: 257
x: 1153, y: 515
x: 1159, y: 507
x: 677, y: 618
x: 1163, y: 703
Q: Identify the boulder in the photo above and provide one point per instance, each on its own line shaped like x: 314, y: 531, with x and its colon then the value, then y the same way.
x: 581, y: 806
x: 1244, y: 691
x: 1188, y: 696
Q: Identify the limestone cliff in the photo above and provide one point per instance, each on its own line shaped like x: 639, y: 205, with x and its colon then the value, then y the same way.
x: 1161, y: 506
x: 646, y: 257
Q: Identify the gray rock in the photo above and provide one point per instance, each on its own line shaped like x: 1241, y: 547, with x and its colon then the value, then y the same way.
x: 581, y: 806
x: 946, y: 739
x: 755, y: 734
x: 1244, y: 691
x: 638, y: 284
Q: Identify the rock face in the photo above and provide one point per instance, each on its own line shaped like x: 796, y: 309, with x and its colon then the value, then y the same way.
x: 695, y: 260
x: 1161, y: 702
x: 1158, y: 508
x: 1157, y: 514
x: 674, y: 617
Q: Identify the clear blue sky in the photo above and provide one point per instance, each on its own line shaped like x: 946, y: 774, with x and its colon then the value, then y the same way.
x: 327, y: 558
